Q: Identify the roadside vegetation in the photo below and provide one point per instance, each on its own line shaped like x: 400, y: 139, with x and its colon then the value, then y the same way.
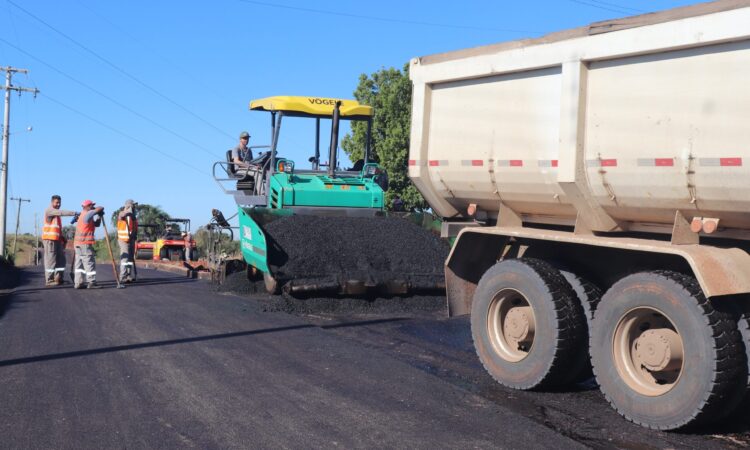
x: 389, y: 92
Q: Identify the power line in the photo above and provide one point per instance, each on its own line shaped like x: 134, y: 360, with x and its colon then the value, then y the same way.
x: 618, y: 6
x: 164, y: 59
x: 383, y: 19
x: 121, y: 105
x: 122, y: 133
x: 119, y: 69
x: 612, y: 7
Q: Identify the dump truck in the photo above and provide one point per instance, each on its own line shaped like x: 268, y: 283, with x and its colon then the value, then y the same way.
x: 597, y: 182
x: 326, y: 228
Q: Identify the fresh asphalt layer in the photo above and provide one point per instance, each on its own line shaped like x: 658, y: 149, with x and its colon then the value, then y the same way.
x: 170, y: 363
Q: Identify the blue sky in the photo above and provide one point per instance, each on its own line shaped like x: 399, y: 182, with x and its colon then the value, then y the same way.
x: 139, y: 98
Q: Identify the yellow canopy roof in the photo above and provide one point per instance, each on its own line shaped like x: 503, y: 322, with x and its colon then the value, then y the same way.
x: 311, y: 106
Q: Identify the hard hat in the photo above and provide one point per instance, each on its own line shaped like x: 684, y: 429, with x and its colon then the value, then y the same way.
x: 87, y: 203
x: 130, y: 202
x: 244, y: 134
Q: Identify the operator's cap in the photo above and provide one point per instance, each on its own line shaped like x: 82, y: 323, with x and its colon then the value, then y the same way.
x: 244, y: 134
x: 87, y: 203
x: 130, y: 202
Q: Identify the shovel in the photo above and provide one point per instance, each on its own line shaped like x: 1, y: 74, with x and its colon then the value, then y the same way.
x: 111, y: 256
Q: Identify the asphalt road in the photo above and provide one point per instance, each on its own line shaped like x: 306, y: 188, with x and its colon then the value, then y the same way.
x: 169, y: 363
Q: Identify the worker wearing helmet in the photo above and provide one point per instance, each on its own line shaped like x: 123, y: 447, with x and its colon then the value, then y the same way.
x: 53, y: 242
x: 85, y: 267
x: 127, y: 233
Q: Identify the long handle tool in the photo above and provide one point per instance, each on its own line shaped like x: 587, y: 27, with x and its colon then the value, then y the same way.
x: 111, y: 256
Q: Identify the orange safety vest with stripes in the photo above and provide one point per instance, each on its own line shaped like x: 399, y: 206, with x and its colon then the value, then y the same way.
x: 52, y: 228
x: 84, y: 232
x: 123, y: 234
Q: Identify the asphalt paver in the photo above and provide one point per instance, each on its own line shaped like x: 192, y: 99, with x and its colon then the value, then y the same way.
x: 170, y: 363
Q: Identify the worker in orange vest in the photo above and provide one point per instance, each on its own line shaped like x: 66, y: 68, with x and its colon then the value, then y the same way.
x: 53, y: 242
x: 85, y: 271
x: 127, y: 233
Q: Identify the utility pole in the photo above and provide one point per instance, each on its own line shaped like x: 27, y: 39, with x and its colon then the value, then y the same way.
x: 9, y: 71
x: 18, y: 221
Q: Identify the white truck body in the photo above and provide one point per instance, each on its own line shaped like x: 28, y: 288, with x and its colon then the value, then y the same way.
x: 620, y: 128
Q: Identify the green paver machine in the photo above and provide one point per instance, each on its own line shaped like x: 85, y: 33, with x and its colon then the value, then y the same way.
x: 271, y: 191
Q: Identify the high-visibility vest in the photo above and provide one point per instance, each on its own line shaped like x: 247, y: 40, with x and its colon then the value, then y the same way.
x: 52, y: 228
x: 122, y: 228
x: 84, y: 232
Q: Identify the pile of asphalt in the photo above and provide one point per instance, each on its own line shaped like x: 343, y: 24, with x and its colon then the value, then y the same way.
x: 238, y: 284
x: 333, y: 250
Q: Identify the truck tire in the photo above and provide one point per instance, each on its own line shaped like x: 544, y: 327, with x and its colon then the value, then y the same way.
x: 528, y: 329
x: 663, y: 356
x: 743, y: 324
x: 588, y: 295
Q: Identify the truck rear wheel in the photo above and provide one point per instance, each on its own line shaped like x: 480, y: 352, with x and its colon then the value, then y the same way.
x: 588, y: 295
x: 743, y: 324
x: 662, y: 355
x: 527, y: 327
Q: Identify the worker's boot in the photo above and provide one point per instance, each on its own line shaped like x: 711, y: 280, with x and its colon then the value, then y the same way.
x: 58, y: 280
x: 92, y: 285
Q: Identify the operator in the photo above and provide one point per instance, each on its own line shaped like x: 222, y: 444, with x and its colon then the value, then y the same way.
x: 188, y: 239
x: 53, y: 242
x: 84, y: 245
x: 127, y: 234
x: 242, y: 153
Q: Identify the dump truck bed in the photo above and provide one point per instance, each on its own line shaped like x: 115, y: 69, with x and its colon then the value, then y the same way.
x: 619, y: 124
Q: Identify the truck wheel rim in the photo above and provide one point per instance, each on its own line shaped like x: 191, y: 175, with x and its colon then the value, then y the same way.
x: 511, y: 325
x: 648, y: 351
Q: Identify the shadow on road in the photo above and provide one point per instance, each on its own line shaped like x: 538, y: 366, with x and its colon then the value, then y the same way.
x: 105, y: 284
x: 211, y: 337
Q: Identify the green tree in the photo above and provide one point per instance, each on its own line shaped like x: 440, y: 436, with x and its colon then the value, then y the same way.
x: 225, y: 245
x: 388, y: 91
x: 146, y: 215
x: 100, y: 248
